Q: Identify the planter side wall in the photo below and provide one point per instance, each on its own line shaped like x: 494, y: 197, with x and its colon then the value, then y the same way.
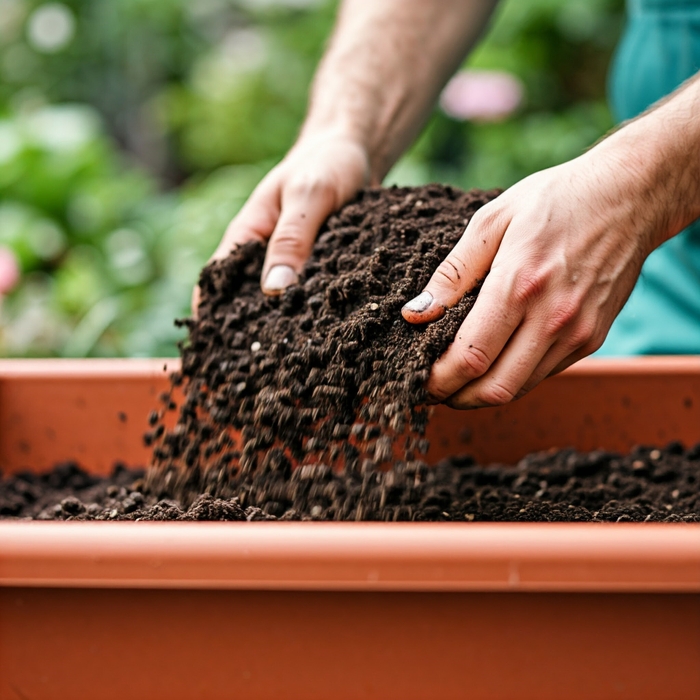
x: 119, y: 644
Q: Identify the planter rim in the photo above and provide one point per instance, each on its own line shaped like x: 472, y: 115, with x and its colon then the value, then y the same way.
x: 138, y: 367
x: 93, y: 367
x: 354, y: 556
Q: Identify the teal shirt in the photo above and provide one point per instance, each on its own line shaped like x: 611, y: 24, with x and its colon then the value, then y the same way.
x: 659, y: 50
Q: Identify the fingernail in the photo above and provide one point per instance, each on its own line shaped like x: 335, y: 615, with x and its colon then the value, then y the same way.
x: 279, y: 278
x: 420, y: 304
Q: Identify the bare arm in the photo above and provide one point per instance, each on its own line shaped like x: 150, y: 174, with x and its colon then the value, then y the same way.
x: 563, y: 249
x: 386, y: 63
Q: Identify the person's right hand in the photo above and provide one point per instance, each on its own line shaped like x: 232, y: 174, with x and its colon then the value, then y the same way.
x: 318, y: 176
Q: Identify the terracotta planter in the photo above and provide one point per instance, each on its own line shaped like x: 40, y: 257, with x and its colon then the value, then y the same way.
x: 349, y: 610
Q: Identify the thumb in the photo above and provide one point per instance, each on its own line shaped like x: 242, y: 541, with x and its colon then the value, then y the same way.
x: 462, y: 269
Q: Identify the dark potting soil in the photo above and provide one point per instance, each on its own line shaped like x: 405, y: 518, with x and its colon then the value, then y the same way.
x: 330, y: 377
x: 646, y: 485
x: 328, y: 372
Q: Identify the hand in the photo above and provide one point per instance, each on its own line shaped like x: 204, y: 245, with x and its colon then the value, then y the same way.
x: 287, y: 208
x: 563, y: 249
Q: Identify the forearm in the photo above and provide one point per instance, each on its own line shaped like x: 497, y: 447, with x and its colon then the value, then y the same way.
x: 385, y: 66
x: 660, y: 150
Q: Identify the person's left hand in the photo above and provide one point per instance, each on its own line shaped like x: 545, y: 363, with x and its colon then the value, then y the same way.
x: 563, y: 249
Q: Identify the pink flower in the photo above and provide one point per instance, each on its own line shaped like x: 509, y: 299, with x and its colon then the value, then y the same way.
x: 9, y: 270
x: 485, y: 96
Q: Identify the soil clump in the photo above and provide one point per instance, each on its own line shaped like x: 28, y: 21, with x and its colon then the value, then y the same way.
x: 646, y: 485
x: 328, y: 373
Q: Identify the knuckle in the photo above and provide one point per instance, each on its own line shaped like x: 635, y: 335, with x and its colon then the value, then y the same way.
x: 529, y: 286
x: 495, y: 394
x: 488, y: 217
x: 438, y: 385
x: 439, y: 394
x: 450, y: 272
x: 562, y: 316
x: 309, y: 186
x: 479, y: 219
x: 240, y: 236
x: 595, y: 342
x: 472, y: 361
x: 290, y: 241
x: 583, y: 335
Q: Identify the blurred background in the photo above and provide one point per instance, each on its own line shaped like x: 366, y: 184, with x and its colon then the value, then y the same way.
x: 131, y: 131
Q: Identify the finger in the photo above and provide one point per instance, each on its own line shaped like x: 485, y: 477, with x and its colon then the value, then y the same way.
x: 506, y: 378
x: 572, y: 358
x: 523, y: 365
x: 194, y: 302
x: 579, y: 340
x: 480, y: 339
x: 463, y: 268
x: 255, y: 221
x: 303, y: 213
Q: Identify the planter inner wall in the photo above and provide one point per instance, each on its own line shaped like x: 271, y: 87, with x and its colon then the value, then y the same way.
x: 95, y: 411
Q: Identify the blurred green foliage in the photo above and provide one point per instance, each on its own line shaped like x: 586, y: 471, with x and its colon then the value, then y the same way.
x: 131, y: 131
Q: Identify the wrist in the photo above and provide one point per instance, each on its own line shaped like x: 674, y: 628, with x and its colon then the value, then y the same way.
x: 659, y: 149
x: 649, y: 178
x: 316, y: 131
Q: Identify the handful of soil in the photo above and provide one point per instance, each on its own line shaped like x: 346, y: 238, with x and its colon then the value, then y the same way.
x: 328, y: 373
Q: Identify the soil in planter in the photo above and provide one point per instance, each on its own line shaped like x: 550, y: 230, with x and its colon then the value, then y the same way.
x: 329, y: 372
x: 330, y: 375
x: 646, y: 485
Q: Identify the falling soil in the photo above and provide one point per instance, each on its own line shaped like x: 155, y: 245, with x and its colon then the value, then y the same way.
x: 646, y: 485
x: 328, y: 373
x: 329, y: 378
